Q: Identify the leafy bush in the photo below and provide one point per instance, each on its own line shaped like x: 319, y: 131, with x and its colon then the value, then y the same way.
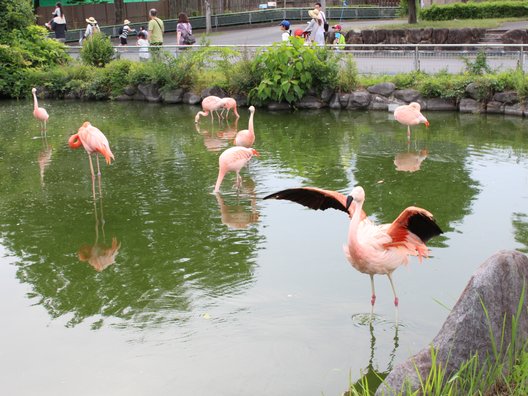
x: 15, y: 15
x: 444, y: 85
x: 289, y: 70
x: 28, y: 48
x: 504, y: 9
x: 97, y: 50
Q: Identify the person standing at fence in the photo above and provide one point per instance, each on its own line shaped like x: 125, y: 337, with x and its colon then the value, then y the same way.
x: 91, y: 28
x: 156, y: 28
x: 318, y: 6
x: 184, y: 30
x: 124, y: 31
x: 143, y: 45
x: 58, y: 25
x: 285, y: 29
x: 315, y: 28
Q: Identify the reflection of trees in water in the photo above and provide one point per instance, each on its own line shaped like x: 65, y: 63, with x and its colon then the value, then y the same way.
x: 520, y: 225
x: 174, y: 247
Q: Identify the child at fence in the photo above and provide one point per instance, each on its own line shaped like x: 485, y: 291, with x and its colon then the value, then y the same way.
x: 143, y: 44
x: 285, y: 29
x: 124, y: 31
x: 339, y: 38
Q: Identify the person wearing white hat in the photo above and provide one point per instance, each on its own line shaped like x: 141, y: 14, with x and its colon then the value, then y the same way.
x: 315, y: 27
x: 124, y: 31
x: 91, y: 28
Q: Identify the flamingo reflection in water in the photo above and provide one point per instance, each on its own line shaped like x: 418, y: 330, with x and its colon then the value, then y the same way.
x: 44, y: 158
x: 240, y: 216
x: 410, y: 161
x: 99, y: 255
x: 219, y: 140
x: 371, y: 375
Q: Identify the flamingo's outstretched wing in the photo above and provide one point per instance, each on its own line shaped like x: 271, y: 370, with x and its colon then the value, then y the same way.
x: 416, y: 221
x: 315, y: 198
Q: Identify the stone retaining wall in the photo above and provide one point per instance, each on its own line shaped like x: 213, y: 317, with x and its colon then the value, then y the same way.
x: 383, y: 96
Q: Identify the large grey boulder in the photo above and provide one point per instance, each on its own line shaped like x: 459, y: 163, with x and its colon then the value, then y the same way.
x: 507, y: 97
x: 468, y: 105
x: 498, y: 285
x: 472, y: 89
x: 407, y: 95
x: 439, y: 104
x: 173, y: 96
x: 334, y: 102
x: 516, y: 109
x: 379, y: 102
x: 358, y: 100
x: 493, y: 107
x: 191, y: 98
x: 310, y: 102
x: 278, y: 106
x: 213, y: 91
x: 327, y: 94
x: 150, y: 92
x: 343, y: 99
x: 384, y: 88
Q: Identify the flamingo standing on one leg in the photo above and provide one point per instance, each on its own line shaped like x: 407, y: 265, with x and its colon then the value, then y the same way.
x: 410, y: 115
x: 233, y: 159
x: 210, y: 104
x: 246, y: 137
x: 372, y: 249
x: 39, y: 113
x: 93, y: 141
x: 229, y: 103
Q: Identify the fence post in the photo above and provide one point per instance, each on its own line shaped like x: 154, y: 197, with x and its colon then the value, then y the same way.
x: 416, y: 59
x: 521, y: 58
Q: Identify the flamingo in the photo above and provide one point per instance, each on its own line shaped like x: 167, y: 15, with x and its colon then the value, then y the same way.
x: 210, y: 104
x: 246, y: 137
x: 93, y: 141
x: 410, y: 115
x: 233, y: 159
x: 229, y: 103
x: 372, y: 249
x: 39, y: 113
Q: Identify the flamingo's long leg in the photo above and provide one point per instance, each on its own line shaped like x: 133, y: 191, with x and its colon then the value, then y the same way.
x: 393, y: 290
x: 98, y: 168
x: 373, y: 298
x: 93, y: 175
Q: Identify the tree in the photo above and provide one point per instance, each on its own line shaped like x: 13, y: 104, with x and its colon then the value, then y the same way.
x: 15, y: 14
x: 412, y: 11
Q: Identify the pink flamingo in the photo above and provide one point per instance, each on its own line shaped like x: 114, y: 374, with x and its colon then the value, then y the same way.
x: 372, y: 249
x: 93, y: 141
x: 210, y: 104
x: 233, y: 159
x: 39, y: 113
x: 229, y: 104
x: 246, y: 137
x: 410, y: 115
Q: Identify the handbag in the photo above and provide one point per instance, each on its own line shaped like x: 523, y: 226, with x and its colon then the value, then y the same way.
x: 188, y: 38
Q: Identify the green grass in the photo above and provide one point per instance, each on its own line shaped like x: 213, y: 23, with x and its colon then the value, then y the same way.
x: 452, y: 24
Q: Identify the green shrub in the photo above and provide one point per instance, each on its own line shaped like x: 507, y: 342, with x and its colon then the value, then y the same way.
x: 444, y: 85
x: 479, y: 66
x: 97, y: 50
x: 28, y: 48
x: 504, y: 9
x: 289, y: 70
x: 348, y: 79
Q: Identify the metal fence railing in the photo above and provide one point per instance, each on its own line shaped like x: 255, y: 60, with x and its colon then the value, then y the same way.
x: 378, y: 58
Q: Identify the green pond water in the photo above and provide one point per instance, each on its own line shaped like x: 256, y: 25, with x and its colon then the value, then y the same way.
x: 161, y: 287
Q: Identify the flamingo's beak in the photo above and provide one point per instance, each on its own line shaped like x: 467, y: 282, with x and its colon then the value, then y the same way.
x: 349, y: 201
x: 427, y: 124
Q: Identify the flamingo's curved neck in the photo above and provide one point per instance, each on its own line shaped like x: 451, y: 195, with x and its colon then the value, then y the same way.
x: 221, y: 174
x: 250, y: 125
x: 35, y: 102
x: 74, y: 141
x: 354, y: 223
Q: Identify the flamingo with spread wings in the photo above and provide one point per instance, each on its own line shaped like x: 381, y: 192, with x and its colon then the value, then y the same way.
x: 372, y: 249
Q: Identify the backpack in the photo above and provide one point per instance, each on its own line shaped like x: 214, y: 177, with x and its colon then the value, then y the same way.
x: 120, y: 31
